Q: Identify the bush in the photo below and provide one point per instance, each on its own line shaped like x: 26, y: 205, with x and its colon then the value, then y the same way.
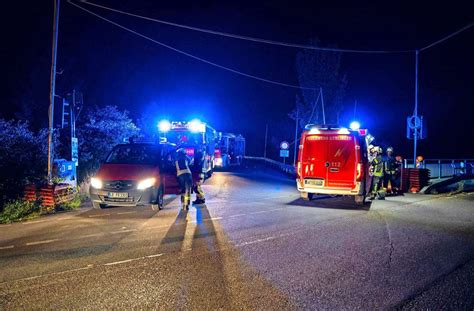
x: 20, y: 209
x: 73, y: 204
x: 22, y: 158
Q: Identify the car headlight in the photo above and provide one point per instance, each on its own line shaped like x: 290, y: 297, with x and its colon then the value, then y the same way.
x: 96, y: 183
x: 146, y: 183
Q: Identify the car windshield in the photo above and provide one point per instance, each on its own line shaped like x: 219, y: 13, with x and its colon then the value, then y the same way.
x: 184, y: 138
x: 135, y: 154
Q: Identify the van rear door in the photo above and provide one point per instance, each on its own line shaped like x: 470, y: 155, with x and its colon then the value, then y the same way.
x: 313, y: 158
x: 341, y: 161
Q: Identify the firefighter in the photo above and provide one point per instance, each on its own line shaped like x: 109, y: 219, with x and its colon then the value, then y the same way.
x: 392, y: 171
x: 197, y: 189
x: 419, y: 162
x: 371, y: 153
x: 185, y: 179
x: 376, y: 171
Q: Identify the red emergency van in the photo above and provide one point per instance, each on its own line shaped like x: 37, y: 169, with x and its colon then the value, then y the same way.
x: 333, y: 160
x: 135, y: 174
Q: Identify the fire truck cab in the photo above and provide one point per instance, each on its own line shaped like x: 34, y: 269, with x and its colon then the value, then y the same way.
x: 333, y: 160
x: 230, y: 150
x: 197, y: 138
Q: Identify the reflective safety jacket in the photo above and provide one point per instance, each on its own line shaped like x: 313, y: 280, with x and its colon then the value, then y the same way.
x: 391, y: 165
x: 377, y: 166
x: 182, y: 165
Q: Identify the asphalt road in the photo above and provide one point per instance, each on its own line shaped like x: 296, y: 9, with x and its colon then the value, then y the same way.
x: 254, y: 245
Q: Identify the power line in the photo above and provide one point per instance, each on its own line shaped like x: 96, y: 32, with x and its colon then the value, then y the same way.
x: 447, y: 37
x: 247, y: 38
x: 190, y: 55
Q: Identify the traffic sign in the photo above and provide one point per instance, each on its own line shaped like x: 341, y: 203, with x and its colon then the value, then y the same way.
x: 284, y: 145
x: 284, y: 153
x: 75, y: 149
x: 415, y: 124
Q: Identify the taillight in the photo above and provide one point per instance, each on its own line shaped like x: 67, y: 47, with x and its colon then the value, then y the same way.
x: 359, y: 172
x: 298, y: 169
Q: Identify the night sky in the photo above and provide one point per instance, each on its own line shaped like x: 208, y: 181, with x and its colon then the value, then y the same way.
x: 111, y: 66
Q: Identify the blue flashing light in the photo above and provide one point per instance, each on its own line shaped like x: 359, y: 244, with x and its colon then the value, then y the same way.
x: 355, y: 126
x: 196, y: 126
x: 164, y: 126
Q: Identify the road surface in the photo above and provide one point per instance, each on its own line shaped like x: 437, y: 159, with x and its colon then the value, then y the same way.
x: 254, y: 245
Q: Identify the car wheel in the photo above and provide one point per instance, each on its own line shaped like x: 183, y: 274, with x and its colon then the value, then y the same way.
x: 307, y: 196
x: 359, y: 199
x: 96, y: 205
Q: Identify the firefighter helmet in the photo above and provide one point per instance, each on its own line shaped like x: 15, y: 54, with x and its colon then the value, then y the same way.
x: 389, y: 149
x: 181, y: 151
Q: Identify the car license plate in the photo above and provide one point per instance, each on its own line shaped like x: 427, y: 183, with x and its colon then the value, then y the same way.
x: 118, y: 195
x: 314, y: 182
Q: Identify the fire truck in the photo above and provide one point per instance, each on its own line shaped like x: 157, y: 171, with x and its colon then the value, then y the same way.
x: 196, y: 137
x: 333, y: 160
x: 230, y: 150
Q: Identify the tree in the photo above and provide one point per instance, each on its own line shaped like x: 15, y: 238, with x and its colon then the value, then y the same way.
x: 319, y: 70
x: 101, y: 129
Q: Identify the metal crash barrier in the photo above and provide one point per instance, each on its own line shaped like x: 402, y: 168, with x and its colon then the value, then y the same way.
x: 286, y: 168
x: 442, y: 168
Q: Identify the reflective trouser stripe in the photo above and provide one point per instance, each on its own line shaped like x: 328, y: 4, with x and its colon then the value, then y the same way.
x: 198, y: 190
x: 185, y: 171
x: 185, y: 198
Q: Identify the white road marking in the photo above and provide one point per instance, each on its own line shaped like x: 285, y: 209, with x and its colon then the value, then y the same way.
x: 124, y: 231
x: 122, y: 261
x: 266, y: 211
x: 99, y: 215
x: 132, y: 259
x: 153, y: 256
x: 259, y: 212
x: 49, y: 274
x: 41, y: 242
x: 32, y: 222
x: 123, y: 213
x: 7, y: 247
x: 237, y: 215
x: 256, y: 241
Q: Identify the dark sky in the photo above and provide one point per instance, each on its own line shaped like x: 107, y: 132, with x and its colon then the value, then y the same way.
x: 111, y: 66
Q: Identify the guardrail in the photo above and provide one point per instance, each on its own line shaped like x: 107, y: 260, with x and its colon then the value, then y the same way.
x: 441, y: 168
x: 287, y: 168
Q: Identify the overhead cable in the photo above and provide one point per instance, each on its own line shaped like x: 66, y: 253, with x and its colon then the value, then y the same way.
x: 247, y: 38
x: 190, y: 55
x: 447, y: 37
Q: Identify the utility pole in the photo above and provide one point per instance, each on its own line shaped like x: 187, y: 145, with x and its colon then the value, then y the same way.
x: 266, y: 134
x: 322, y: 104
x: 415, y: 113
x: 52, y: 91
x: 296, y: 135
